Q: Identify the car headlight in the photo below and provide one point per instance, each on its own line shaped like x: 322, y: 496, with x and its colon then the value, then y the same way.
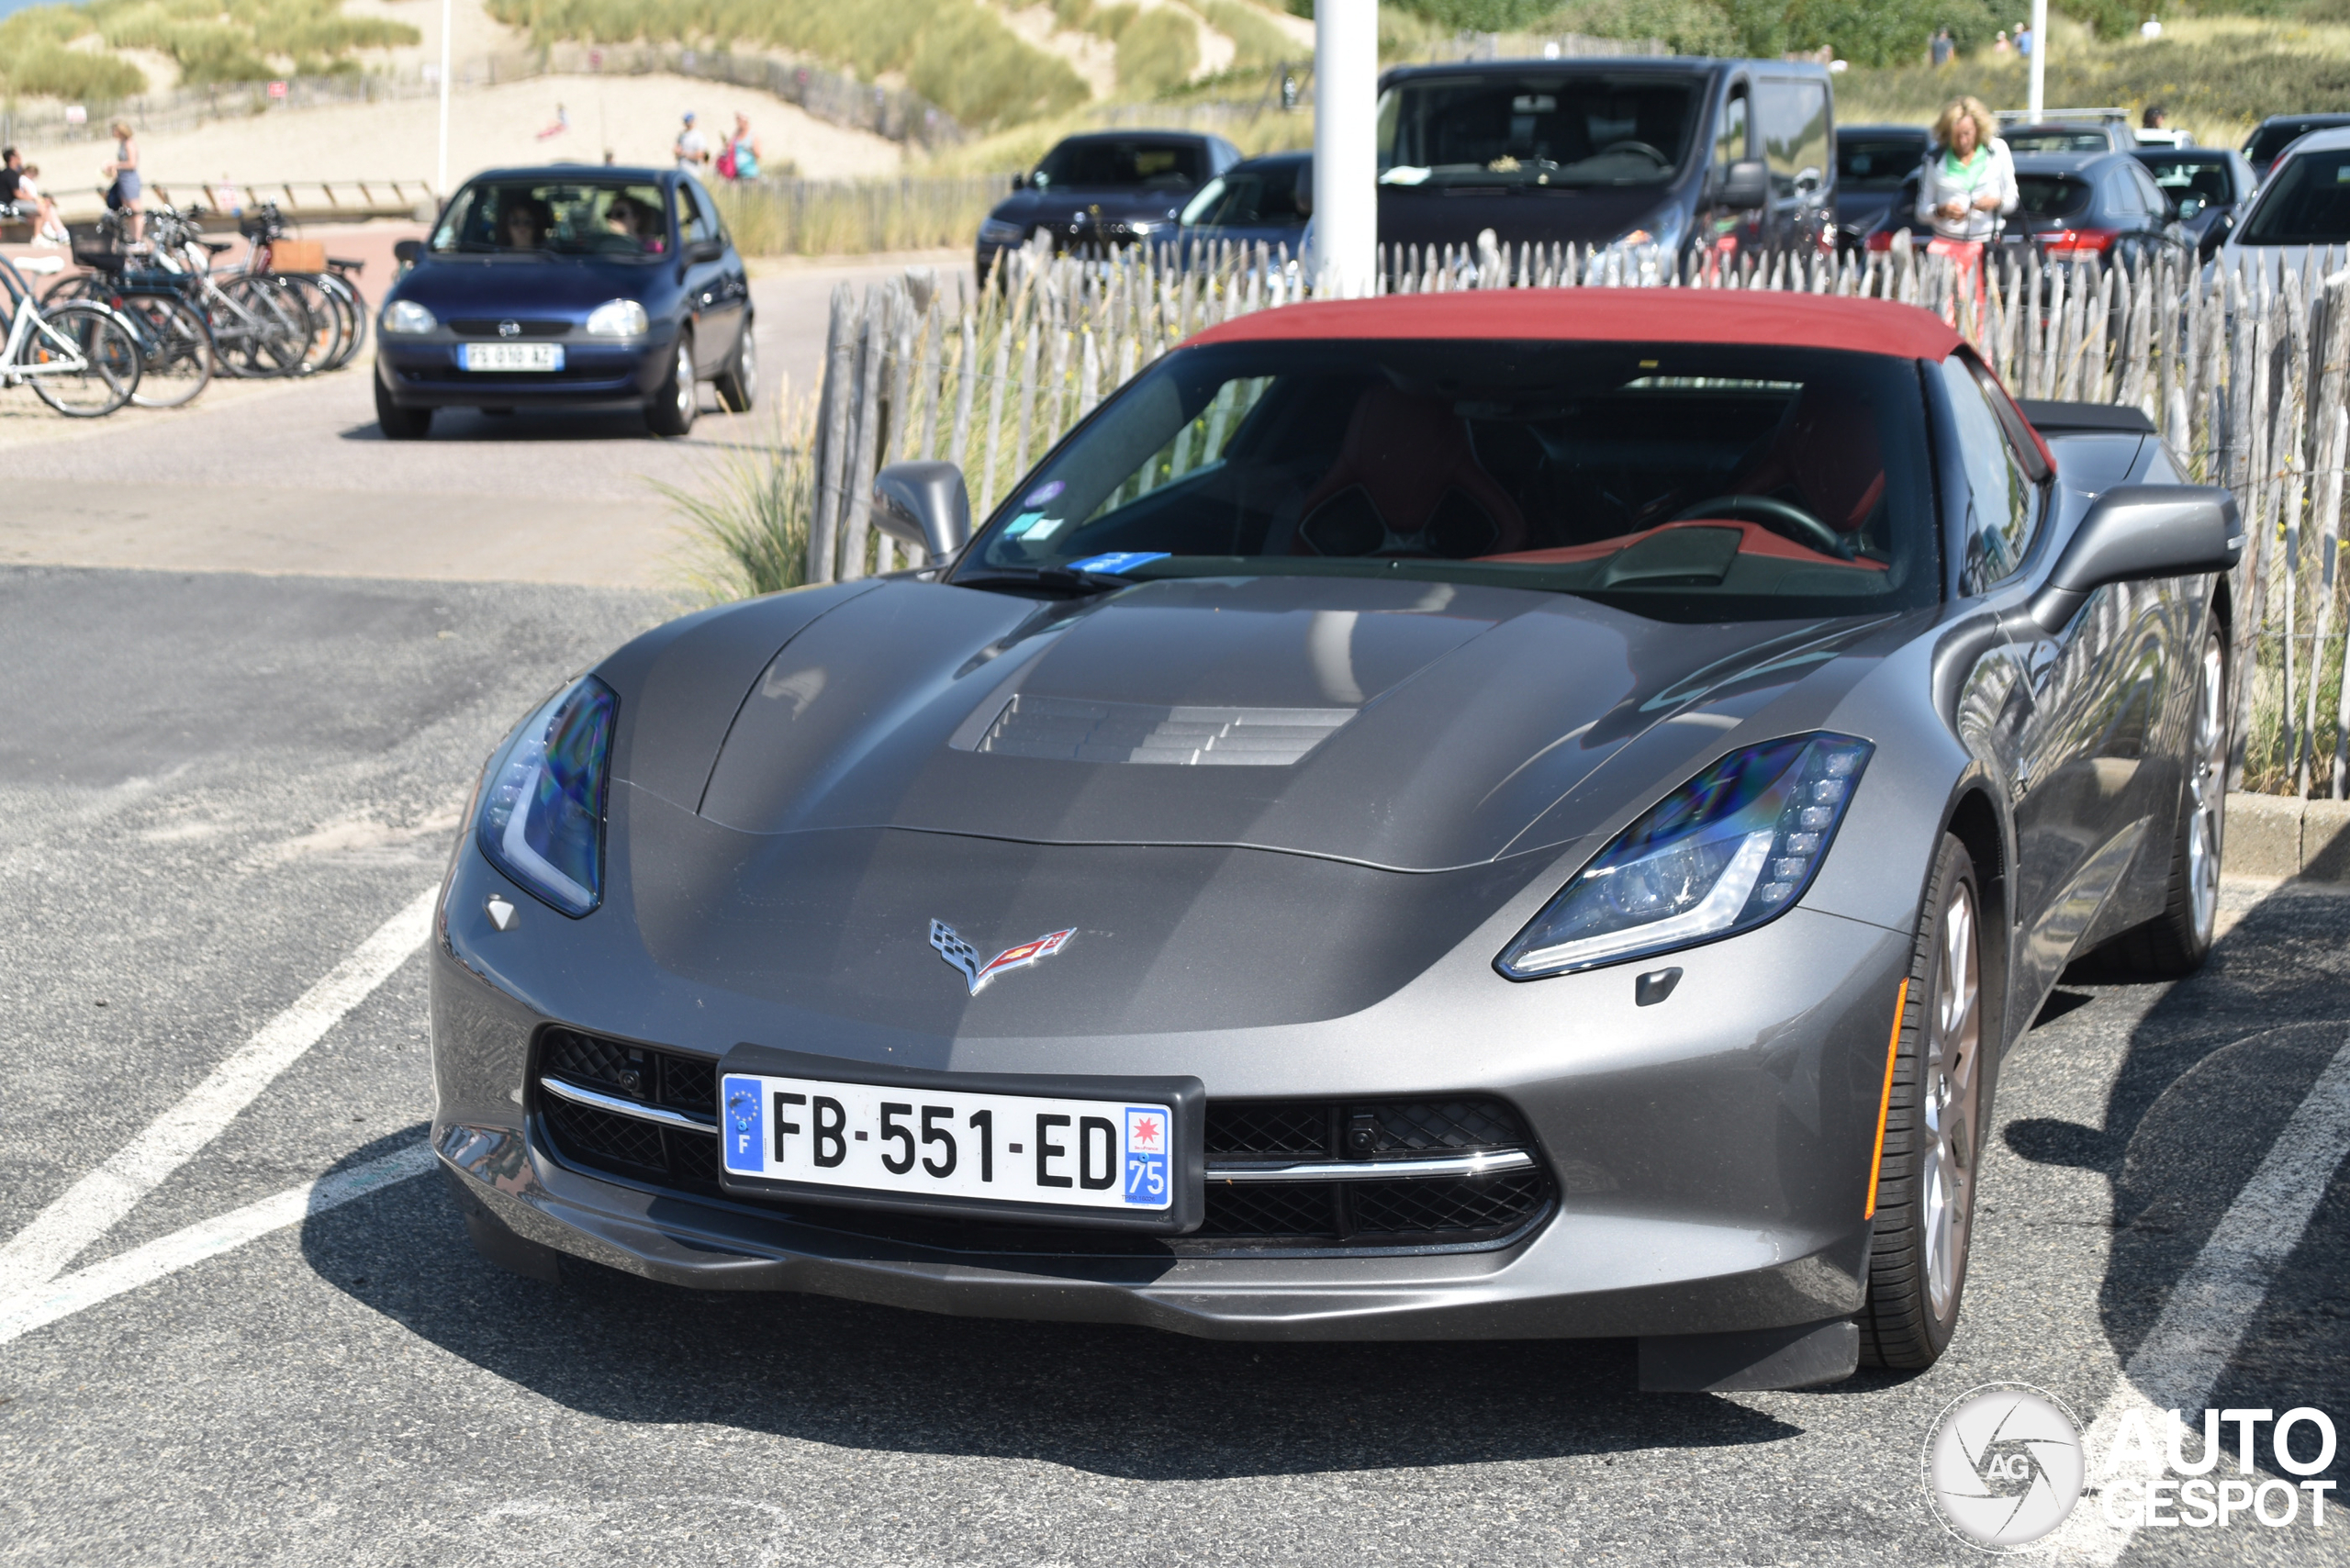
x: 1726, y: 851
x: 406, y: 316
x: 996, y: 232
x: 1644, y: 255
x: 542, y: 816
x: 618, y: 318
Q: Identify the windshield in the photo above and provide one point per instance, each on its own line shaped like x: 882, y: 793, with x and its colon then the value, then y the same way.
x: 2307, y: 202
x: 1162, y: 165
x: 2056, y: 141
x: 1687, y: 483
x: 2194, y: 183
x: 563, y: 217
x: 1262, y: 197
x: 1877, y: 166
x: 2051, y: 195
x: 1535, y: 129
x: 2273, y: 139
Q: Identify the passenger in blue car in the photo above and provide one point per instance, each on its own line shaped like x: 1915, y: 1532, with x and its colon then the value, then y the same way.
x: 524, y: 224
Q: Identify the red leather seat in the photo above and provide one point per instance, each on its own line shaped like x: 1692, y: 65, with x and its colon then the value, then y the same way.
x: 1825, y: 459
x: 1407, y: 482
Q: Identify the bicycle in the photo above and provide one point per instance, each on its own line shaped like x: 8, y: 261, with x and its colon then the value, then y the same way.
x: 80, y: 358
x: 259, y: 327
x: 176, y: 352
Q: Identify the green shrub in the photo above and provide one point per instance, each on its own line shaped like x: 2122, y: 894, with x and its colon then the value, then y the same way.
x: 45, y: 69
x: 1109, y: 21
x: 1256, y: 40
x: 1159, y: 51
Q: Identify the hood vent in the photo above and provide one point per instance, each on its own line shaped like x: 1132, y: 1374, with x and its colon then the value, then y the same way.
x: 1072, y: 730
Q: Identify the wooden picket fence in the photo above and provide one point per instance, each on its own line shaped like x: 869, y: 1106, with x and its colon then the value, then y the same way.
x: 2242, y: 374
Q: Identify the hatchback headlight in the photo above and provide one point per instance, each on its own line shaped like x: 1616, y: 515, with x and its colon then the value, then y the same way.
x: 616, y: 319
x: 406, y: 316
x: 996, y: 232
x: 1726, y: 851
x: 542, y: 816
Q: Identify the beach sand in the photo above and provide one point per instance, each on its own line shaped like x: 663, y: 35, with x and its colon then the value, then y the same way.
x: 636, y: 118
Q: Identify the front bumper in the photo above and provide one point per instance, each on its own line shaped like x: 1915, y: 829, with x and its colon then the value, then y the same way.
x: 423, y: 372
x: 1710, y: 1153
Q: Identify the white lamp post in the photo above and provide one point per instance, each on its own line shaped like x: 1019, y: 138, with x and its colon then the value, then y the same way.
x: 2039, y: 57
x: 441, y: 179
x: 1345, y: 154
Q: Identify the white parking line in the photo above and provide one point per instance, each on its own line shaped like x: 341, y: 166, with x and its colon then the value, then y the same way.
x: 27, y: 1310
x: 2203, y: 1321
x: 89, y: 1209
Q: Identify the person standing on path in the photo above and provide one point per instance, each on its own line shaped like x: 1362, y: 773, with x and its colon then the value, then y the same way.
x: 741, y: 159
x: 1941, y: 49
x: 692, y: 148
x: 2024, y: 40
x: 123, y: 195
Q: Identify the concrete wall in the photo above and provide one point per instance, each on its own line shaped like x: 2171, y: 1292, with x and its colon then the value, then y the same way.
x: 2271, y: 835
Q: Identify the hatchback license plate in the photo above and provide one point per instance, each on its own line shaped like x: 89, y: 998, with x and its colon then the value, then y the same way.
x: 1015, y: 1148
x: 513, y: 356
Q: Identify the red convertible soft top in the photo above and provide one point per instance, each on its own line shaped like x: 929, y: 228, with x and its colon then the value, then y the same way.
x: 1613, y: 315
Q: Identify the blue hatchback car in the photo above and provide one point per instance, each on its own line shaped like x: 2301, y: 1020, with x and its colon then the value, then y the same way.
x: 568, y: 288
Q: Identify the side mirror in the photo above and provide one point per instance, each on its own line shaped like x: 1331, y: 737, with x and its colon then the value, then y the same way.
x: 705, y: 250
x: 1745, y: 183
x: 1020, y: 181
x: 923, y: 503
x: 408, y: 252
x: 2138, y: 531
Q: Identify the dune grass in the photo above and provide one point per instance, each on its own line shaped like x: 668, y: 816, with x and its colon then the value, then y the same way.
x: 833, y: 218
x: 1158, y: 50
x: 44, y: 52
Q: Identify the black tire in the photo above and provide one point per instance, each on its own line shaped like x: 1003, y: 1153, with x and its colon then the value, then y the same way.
x: 738, y: 384
x: 1933, y: 1130
x: 178, y: 357
x: 399, y: 423
x: 672, y: 408
x: 99, y: 342
x: 2176, y: 942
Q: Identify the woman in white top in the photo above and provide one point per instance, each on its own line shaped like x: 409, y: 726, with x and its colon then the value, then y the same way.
x: 1969, y: 182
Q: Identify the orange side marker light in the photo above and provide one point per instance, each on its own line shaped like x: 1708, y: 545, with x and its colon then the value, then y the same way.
x: 1884, y: 1101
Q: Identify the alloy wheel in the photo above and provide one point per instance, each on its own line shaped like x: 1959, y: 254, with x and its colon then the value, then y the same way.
x: 1954, y: 1020
x: 2207, y: 790
x: 685, y: 373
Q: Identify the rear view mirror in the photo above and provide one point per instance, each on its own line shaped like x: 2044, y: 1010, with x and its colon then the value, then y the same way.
x: 924, y: 504
x: 2139, y: 532
x: 1745, y: 183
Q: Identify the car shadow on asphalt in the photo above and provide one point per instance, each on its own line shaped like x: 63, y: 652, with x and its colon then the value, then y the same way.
x: 1112, y: 1400
x: 2212, y: 1072
x: 529, y: 427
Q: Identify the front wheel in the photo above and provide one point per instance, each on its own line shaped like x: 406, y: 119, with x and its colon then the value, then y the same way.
x: 1933, y: 1137
x: 177, y: 348
x: 399, y: 423
x: 672, y: 410
x: 82, y: 360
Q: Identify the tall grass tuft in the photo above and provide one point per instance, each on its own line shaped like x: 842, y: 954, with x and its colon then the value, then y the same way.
x: 746, y: 522
x: 1158, y: 50
x: 838, y: 217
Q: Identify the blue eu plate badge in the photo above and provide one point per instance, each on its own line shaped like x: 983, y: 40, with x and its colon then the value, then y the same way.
x: 1147, y: 1175
x: 741, y: 1124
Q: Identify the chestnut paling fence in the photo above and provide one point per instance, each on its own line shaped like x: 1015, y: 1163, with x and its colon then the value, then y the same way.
x: 2243, y: 373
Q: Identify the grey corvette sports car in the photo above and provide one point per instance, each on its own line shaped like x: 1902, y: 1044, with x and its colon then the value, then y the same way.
x: 1484, y: 815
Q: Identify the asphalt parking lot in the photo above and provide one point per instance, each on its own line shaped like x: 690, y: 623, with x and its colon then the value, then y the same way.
x: 220, y: 789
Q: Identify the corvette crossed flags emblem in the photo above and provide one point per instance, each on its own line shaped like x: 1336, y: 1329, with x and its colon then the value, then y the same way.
x: 965, y: 957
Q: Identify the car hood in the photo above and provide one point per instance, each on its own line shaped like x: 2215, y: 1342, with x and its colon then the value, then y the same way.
x: 1117, y: 203
x: 1406, y: 725
x: 502, y: 283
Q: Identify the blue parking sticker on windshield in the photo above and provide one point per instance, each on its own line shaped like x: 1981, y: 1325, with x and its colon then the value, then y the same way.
x: 1117, y: 561
x: 1022, y: 523
x: 1146, y: 1158
x: 742, y: 1125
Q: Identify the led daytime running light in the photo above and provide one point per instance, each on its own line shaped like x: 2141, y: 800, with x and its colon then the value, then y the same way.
x: 542, y: 816
x: 1728, y: 850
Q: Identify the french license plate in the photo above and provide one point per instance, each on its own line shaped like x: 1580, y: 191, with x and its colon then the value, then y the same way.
x: 512, y: 356
x: 1104, y: 1154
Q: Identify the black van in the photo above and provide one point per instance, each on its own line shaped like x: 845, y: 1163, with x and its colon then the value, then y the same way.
x: 1660, y: 157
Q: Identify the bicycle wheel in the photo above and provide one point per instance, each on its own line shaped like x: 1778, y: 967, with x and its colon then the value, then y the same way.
x: 176, y: 355
x: 69, y: 286
x: 352, y: 306
x: 262, y: 328
x: 82, y: 360
x: 323, y: 349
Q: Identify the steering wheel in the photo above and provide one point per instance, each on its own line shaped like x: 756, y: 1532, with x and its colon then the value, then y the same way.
x: 1640, y: 147
x: 1779, y: 517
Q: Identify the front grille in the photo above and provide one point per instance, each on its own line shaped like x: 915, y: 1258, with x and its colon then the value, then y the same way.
x: 1241, y: 1217
x: 486, y: 327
